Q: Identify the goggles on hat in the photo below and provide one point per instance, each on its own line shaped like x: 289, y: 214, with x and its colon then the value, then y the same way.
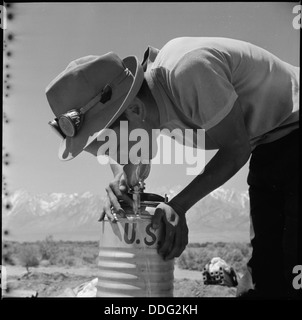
x: 69, y: 123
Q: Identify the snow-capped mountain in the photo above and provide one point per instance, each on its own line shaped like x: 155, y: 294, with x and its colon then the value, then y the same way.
x: 232, y: 196
x: 65, y: 216
x: 221, y: 216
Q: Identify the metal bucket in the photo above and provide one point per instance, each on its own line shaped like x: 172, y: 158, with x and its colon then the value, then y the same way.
x: 128, y: 260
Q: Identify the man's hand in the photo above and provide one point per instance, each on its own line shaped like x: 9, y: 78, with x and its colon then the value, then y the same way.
x: 175, y: 231
x: 116, y: 190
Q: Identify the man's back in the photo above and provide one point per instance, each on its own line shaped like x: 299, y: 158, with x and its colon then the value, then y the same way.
x: 203, y: 76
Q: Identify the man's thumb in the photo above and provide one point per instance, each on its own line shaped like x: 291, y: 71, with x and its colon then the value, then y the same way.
x: 156, y: 219
x: 123, y: 188
x: 123, y: 184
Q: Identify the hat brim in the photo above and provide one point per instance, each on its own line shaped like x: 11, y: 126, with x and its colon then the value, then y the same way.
x: 71, y: 147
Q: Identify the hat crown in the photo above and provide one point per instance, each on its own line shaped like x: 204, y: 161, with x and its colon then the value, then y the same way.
x: 101, y: 87
x: 81, y: 81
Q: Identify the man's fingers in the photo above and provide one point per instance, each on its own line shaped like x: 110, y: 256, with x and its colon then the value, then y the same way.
x: 113, y: 199
x: 157, y: 217
x: 177, y: 248
x: 168, y: 244
x: 115, y: 204
x: 108, y: 212
x: 115, y: 187
x: 123, y: 188
x: 127, y: 199
x: 120, y: 188
x: 102, y: 216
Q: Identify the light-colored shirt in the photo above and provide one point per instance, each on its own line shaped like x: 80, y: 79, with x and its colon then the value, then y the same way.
x: 196, y: 80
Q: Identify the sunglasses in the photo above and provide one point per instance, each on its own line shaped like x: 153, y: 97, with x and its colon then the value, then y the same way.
x: 69, y: 123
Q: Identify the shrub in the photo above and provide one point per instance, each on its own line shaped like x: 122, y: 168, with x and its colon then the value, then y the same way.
x: 90, y: 259
x: 196, y: 257
x: 71, y: 251
x: 70, y: 262
x: 49, y: 249
x: 29, y: 256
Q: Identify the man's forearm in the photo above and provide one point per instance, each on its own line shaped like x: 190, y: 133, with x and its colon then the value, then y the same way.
x: 218, y: 171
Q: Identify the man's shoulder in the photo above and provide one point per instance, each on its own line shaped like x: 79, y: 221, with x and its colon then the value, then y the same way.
x: 187, y: 49
x: 177, y: 48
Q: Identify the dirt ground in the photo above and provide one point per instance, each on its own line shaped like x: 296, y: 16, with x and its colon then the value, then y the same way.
x: 53, y: 281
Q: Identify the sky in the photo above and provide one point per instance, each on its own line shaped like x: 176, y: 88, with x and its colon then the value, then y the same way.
x: 47, y: 36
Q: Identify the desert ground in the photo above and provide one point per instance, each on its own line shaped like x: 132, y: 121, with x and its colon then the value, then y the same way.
x: 53, y: 281
x: 48, y: 268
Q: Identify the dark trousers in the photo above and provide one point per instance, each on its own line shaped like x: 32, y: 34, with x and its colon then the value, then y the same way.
x: 274, y: 200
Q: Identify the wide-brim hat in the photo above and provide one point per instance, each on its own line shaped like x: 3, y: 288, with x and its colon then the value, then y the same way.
x: 81, y: 83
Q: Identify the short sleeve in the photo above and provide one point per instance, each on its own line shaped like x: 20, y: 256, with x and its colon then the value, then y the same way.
x: 201, y: 85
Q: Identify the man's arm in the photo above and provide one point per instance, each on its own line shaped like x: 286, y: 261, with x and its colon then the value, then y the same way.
x: 232, y: 140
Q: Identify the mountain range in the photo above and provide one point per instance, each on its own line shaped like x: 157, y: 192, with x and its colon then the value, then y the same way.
x: 223, y: 215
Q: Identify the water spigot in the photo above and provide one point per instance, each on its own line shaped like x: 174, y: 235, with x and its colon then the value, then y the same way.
x: 135, y: 175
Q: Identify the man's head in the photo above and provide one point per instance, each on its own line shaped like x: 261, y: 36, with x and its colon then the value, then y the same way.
x: 88, y: 96
x: 141, y: 116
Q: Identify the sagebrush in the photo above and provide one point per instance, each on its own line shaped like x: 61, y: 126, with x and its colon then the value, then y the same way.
x: 72, y: 253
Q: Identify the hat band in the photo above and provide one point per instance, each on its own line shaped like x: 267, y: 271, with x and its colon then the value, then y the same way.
x: 121, y: 77
x: 70, y: 122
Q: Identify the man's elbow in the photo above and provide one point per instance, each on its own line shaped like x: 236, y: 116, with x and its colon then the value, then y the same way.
x: 238, y: 153
x: 243, y: 152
